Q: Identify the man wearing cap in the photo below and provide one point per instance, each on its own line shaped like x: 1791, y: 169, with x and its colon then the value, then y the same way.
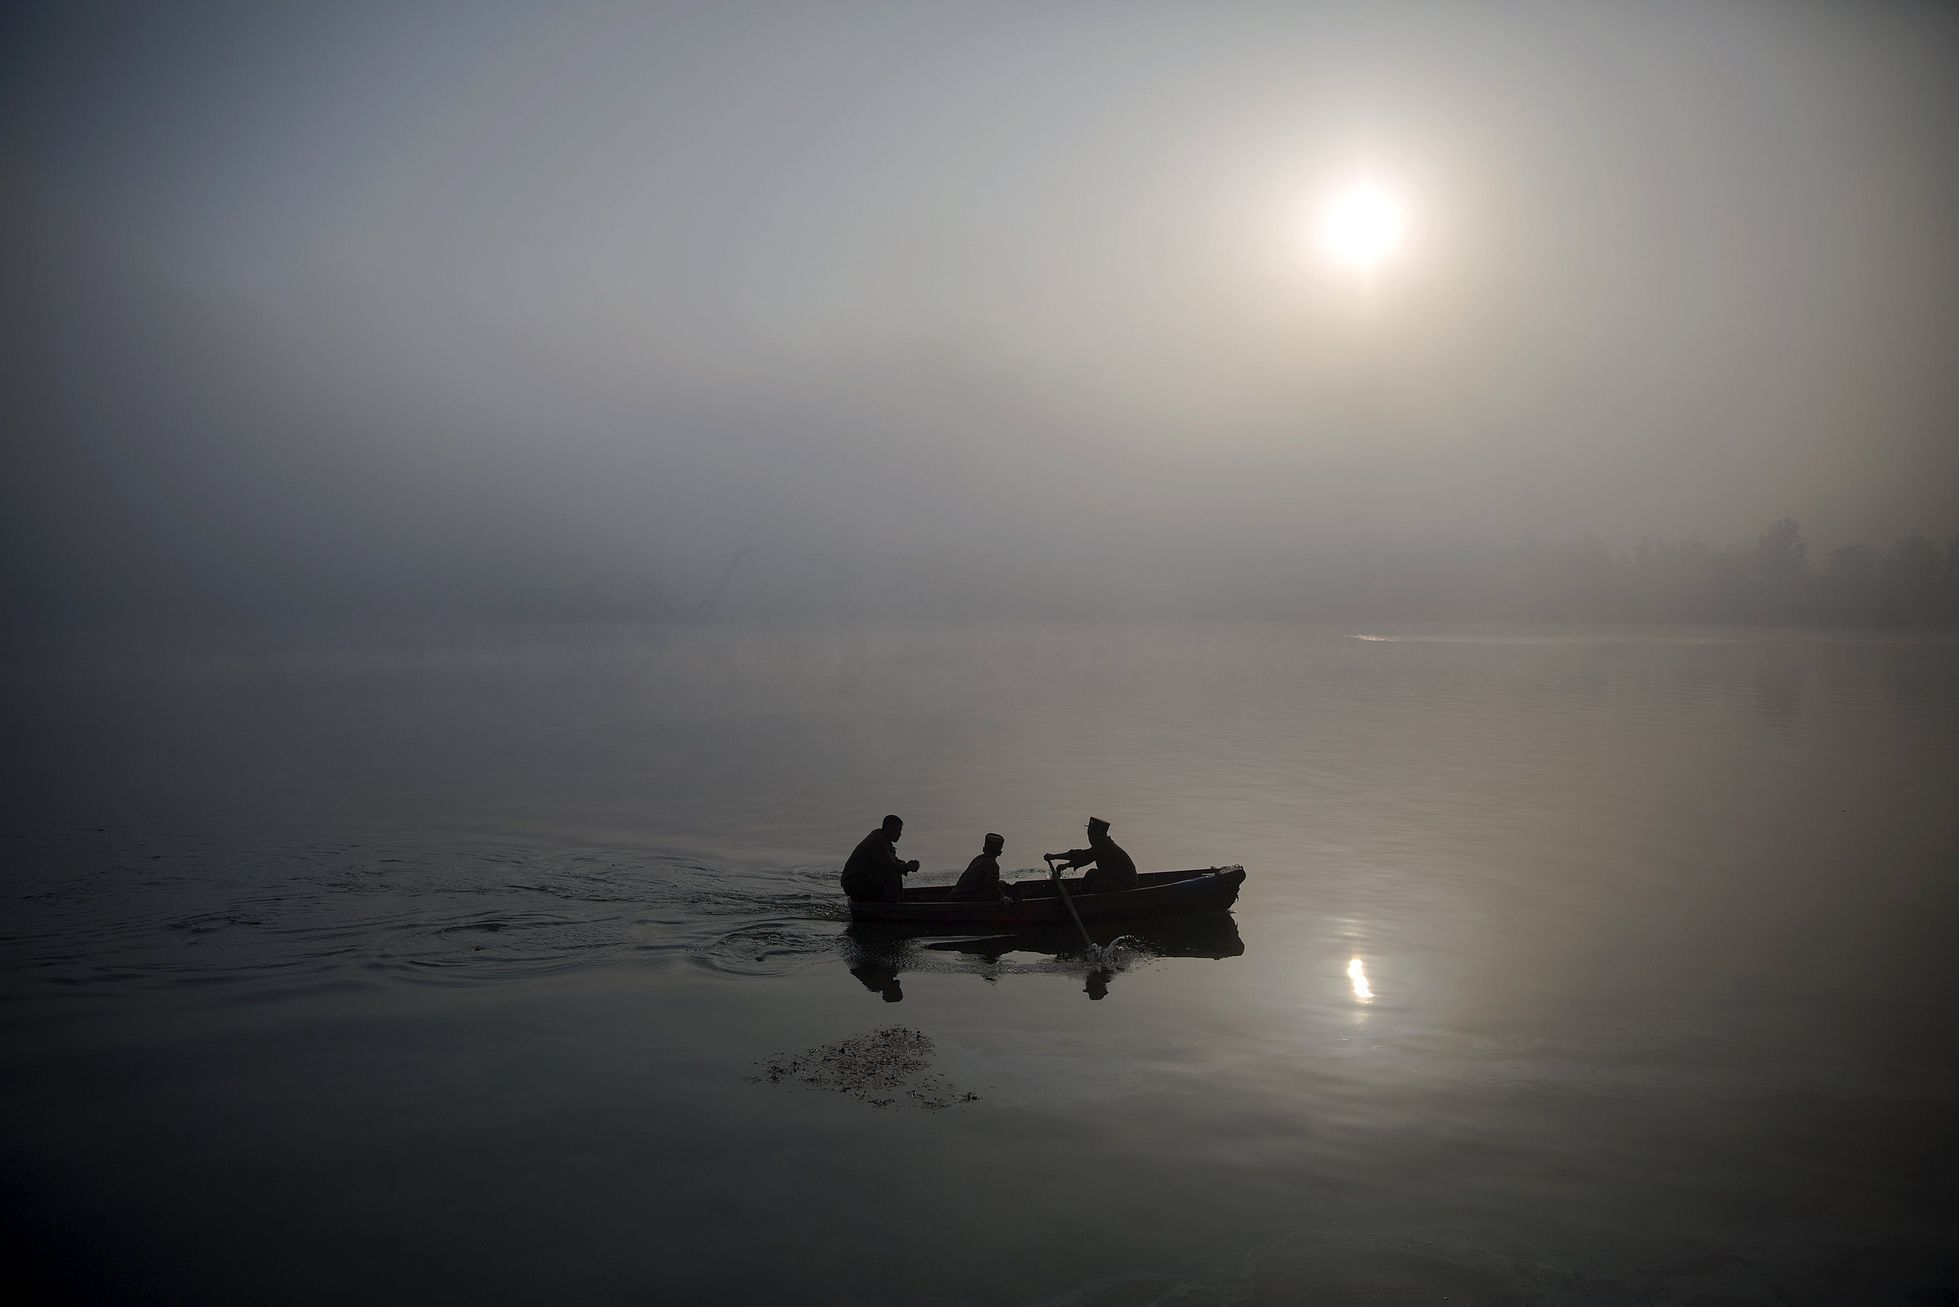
x: 1114, y: 869
x: 981, y: 879
x: 874, y: 872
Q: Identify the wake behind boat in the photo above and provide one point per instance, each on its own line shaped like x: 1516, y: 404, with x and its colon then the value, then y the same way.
x: 1036, y: 904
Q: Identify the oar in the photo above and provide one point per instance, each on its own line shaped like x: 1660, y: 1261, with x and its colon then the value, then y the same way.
x: 1069, y: 903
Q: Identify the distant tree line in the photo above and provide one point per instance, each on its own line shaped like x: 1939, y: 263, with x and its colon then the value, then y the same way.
x: 1772, y: 581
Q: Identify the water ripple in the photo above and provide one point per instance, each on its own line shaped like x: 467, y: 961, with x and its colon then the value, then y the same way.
x: 90, y: 916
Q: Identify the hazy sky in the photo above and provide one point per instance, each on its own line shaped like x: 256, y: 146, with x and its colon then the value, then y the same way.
x: 338, y: 300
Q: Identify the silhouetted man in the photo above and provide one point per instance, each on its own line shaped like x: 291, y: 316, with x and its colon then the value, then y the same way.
x: 981, y: 879
x: 875, y: 873
x: 880, y: 980
x: 1114, y: 869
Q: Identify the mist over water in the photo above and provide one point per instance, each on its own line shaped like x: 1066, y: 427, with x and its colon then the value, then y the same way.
x: 1574, y: 965
x: 496, y: 500
x: 988, y: 310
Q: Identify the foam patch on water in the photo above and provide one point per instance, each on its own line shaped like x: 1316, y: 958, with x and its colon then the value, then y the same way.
x: 889, y: 1067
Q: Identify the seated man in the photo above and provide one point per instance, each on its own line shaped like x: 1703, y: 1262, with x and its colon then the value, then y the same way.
x: 981, y: 879
x: 874, y: 872
x: 1114, y: 869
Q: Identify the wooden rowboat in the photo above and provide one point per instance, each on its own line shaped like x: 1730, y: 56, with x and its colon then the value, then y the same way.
x: 1157, y: 894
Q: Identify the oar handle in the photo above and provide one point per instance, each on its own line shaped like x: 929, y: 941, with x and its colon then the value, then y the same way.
x: 1068, y: 903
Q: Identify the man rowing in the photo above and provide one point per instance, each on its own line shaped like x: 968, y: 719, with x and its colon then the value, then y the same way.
x: 1113, y: 868
x: 875, y: 873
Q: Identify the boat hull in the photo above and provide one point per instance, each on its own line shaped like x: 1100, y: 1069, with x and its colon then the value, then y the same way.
x: 1157, y: 894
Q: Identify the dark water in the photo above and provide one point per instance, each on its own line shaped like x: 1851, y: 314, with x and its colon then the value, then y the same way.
x: 1573, y: 967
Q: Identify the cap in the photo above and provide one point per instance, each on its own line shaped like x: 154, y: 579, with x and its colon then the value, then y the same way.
x: 995, y: 841
x: 1096, y: 823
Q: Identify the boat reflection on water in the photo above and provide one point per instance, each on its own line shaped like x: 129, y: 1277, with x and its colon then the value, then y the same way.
x: 878, y: 954
x: 880, y: 978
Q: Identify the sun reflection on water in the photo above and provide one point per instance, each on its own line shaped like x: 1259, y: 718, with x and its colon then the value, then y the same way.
x: 1357, y: 973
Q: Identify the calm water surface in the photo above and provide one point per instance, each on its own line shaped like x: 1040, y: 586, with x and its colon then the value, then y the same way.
x: 1574, y: 967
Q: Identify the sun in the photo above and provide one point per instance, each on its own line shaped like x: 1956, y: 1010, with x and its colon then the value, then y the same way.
x: 1361, y: 226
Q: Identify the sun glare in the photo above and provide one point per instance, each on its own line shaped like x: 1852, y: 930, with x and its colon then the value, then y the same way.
x: 1362, y: 226
x: 1357, y: 974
